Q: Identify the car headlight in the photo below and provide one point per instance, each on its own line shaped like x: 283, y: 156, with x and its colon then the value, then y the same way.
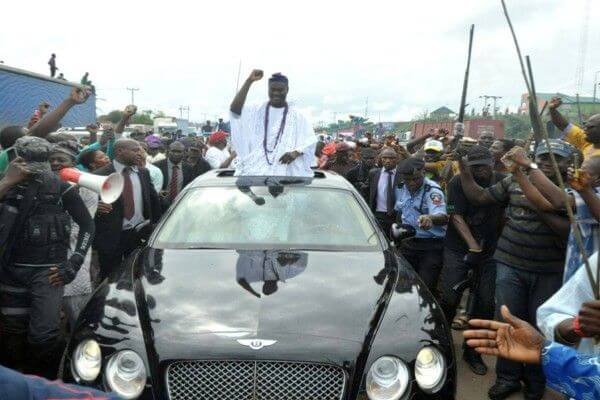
x: 87, y: 360
x: 387, y: 379
x: 430, y: 369
x: 126, y: 374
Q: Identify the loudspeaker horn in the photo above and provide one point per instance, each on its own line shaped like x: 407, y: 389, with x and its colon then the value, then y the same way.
x: 108, y: 187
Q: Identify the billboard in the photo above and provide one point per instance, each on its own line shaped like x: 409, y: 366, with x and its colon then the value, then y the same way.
x: 22, y: 91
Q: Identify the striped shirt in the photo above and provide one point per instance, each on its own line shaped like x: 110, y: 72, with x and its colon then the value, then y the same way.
x: 526, y: 241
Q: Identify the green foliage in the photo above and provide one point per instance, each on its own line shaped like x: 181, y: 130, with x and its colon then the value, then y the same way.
x: 144, y: 118
x: 516, y: 126
x: 113, y: 116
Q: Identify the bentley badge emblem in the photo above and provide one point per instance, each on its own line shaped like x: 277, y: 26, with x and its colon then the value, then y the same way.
x: 256, y: 344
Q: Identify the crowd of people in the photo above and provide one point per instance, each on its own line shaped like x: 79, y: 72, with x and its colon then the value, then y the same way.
x: 491, y: 215
x: 487, y: 214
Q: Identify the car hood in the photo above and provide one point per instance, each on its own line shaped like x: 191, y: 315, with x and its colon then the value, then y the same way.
x: 207, y: 300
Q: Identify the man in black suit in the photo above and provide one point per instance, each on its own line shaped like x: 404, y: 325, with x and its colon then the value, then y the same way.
x: 176, y: 173
x: 123, y: 225
x: 382, y: 190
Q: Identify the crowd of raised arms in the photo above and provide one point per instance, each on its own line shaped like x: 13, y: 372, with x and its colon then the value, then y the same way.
x: 488, y: 214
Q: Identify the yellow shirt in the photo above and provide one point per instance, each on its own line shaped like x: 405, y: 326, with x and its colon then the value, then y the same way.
x: 439, y: 167
x: 576, y: 136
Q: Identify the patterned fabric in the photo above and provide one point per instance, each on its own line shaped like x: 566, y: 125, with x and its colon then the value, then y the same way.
x: 526, y: 241
x: 570, y: 372
x: 588, y: 226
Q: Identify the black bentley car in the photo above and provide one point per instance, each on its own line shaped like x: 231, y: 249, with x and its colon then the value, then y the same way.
x: 264, y: 288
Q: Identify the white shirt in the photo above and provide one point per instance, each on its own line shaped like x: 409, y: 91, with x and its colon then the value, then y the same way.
x: 381, y: 201
x: 138, y: 201
x: 156, y: 176
x: 247, y: 136
x: 566, y: 303
x: 215, y: 157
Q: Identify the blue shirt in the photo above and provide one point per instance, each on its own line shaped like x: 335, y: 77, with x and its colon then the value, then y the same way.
x: 588, y: 226
x: 16, y: 386
x: 570, y: 372
x: 423, y: 202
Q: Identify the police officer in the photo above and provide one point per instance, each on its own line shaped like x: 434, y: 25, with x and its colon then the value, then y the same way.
x: 35, y: 266
x: 421, y: 208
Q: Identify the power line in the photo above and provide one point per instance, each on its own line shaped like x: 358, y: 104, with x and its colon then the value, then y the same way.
x: 494, y: 98
x: 132, y: 90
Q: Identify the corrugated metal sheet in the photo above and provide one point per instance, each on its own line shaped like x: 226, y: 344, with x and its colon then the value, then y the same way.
x: 22, y: 91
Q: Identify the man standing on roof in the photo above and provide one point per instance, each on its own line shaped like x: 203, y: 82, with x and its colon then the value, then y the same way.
x: 273, y: 138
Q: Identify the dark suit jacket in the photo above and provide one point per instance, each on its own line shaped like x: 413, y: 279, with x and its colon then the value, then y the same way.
x: 109, y: 226
x: 188, y: 173
x: 374, y: 175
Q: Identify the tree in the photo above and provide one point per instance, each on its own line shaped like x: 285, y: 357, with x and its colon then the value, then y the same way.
x: 516, y: 126
x: 113, y: 116
x: 145, y: 117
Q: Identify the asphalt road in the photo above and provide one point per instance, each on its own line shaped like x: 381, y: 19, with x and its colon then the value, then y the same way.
x: 470, y: 385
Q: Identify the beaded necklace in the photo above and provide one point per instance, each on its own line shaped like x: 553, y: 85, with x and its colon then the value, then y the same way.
x: 279, y: 133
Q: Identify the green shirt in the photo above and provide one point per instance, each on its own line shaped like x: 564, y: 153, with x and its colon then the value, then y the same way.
x: 3, y: 161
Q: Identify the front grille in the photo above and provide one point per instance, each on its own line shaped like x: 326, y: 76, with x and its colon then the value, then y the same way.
x: 254, y: 380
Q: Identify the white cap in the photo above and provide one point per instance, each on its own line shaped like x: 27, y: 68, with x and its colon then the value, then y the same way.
x: 434, y: 145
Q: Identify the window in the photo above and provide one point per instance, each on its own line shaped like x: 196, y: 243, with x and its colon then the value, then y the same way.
x: 268, y: 217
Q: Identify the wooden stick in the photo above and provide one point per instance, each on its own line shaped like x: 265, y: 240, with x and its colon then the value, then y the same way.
x: 544, y: 134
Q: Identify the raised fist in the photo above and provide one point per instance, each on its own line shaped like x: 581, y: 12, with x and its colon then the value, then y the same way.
x: 256, y: 75
x: 555, y: 102
x: 79, y: 95
x: 130, y: 110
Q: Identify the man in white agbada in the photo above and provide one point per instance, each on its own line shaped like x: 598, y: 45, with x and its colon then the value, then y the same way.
x: 272, y: 139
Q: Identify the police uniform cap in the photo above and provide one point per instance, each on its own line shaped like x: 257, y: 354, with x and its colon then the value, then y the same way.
x: 411, y: 165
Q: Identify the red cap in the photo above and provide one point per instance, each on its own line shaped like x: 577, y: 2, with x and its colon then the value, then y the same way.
x: 217, y: 137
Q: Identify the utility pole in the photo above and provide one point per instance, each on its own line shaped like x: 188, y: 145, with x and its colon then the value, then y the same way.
x: 132, y: 90
x: 182, y: 109
x: 494, y: 98
x: 367, y: 108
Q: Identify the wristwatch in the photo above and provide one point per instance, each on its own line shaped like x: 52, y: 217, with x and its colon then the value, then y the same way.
x: 532, y: 166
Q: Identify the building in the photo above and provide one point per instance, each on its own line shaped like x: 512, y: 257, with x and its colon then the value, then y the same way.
x: 473, y: 128
x: 442, y: 113
x: 588, y: 106
x: 22, y: 91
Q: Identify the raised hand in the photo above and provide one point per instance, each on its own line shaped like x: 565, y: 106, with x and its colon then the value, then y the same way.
x: 256, y: 75
x: 79, y: 95
x: 554, y: 103
x: 515, y: 340
x: 17, y: 171
x: 130, y: 110
x: 517, y: 155
x: 578, y: 179
x: 589, y: 318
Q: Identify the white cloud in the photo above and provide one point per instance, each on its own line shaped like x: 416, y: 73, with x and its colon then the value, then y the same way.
x: 404, y: 56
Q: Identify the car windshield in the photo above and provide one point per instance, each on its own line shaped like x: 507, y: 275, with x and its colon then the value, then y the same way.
x: 275, y: 217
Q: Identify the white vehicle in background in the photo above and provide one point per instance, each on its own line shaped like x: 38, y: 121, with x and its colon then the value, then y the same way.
x: 79, y: 132
x: 165, y: 125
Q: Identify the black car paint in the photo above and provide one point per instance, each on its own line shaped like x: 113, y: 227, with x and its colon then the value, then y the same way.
x: 343, y: 308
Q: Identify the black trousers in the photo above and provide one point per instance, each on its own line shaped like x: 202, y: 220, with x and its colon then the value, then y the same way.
x: 30, y: 318
x: 110, y: 260
x: 385, y: 222
x: 426, y: 258
x: 456, y: 271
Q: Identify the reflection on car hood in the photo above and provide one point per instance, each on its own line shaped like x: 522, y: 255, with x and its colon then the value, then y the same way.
x: 248, y: 293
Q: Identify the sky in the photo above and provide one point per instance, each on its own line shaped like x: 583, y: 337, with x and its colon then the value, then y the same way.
x: 392, y: 60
